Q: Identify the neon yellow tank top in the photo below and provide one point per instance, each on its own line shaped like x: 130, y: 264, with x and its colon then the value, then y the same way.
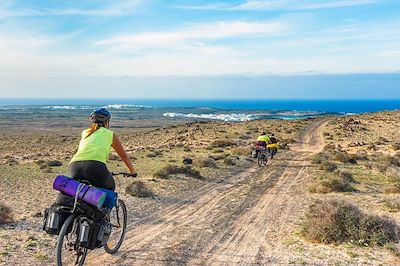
x: 96, y: 147
x: 264, y: 138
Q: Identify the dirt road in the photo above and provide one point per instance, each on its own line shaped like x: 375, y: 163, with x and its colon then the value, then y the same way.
x: 243, y: 220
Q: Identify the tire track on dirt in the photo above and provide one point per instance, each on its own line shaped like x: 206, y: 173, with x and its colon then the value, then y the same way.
x: 234, y: 222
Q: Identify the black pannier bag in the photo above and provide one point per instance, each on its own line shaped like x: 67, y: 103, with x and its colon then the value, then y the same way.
x: 93, y: 234
x: 54, y: 218
x: 89, y: 211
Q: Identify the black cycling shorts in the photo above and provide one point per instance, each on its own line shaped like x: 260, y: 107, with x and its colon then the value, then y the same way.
x: 93, y: 171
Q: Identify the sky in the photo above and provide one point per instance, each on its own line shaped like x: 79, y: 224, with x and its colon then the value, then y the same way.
x: 209, y: 49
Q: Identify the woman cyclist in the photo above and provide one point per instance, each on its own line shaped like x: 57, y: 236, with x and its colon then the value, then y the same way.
x: 89, y: 163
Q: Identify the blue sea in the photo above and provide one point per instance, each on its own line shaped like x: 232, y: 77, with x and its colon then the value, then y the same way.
x: 201, y: 109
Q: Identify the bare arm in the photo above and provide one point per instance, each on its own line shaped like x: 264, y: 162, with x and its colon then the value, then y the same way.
x: 122, y: 153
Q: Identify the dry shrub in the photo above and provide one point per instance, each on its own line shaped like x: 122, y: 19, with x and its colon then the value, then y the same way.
x: 206, y: 162
x: 245, y: 137
x: 221, y: 143
x: 218, y: 151
x: 361, y: 155
x: 329, y: 147
x: 319, y: 158
x: 384, y: 162
x: 393, y: 205
x: 5, y: 214
x: 336, y: 221
x: 335, y: 184
x: 169, y: 170
x: 395, y: 147
x: 138, y: 189
x: 393, y: 189
x: 154, y: 154
x: 229, y: 161
x: 344, y: 157
x: 242, y: 151
x: 219, y: 157
x: 344, y: 175
x: 11, y: 161
x: 393, y: 173
x: 327, y: 166
x: 54, y: 163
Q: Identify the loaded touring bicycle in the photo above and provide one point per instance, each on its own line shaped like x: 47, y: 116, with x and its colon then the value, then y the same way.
x: 85, y: 218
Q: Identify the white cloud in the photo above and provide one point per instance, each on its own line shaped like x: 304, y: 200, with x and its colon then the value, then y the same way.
x: 117, y: 8
x: 195, y: 36
x: 272, y: 5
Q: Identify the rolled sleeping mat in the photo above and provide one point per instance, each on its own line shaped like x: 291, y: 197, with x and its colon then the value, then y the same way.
x: 88, y: 194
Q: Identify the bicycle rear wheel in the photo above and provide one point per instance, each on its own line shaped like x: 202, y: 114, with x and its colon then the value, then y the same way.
x: 118, y: 218
x: 262, y: 159
x: 68, y: 251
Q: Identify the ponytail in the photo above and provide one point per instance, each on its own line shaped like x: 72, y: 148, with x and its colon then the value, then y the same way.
x: 92, y: 129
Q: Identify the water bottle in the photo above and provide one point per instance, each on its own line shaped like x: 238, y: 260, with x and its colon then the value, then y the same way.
x: 84, y: 232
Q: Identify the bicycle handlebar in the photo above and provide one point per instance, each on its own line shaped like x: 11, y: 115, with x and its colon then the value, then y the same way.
x: 124, y: 174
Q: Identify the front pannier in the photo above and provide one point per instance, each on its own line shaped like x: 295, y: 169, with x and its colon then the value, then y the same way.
x: 93, y: 234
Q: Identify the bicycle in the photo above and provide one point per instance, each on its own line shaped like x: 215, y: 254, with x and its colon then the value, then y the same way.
x: 262, y: 157
x: 75, y: 233
x: 272, y: 149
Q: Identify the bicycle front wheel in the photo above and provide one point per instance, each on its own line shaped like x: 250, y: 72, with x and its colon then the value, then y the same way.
x: 118, y: 219
x: 68, y: 251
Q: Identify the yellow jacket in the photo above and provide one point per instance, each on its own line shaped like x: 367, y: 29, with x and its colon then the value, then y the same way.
x: 264, y: 138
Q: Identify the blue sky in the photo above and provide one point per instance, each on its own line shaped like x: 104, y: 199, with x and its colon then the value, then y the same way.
x: 150, y: 48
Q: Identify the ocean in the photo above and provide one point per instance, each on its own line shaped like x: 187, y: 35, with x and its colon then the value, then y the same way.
x: 202, y: 109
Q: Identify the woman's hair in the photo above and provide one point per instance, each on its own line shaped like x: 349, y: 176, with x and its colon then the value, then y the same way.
x: 94, y: 127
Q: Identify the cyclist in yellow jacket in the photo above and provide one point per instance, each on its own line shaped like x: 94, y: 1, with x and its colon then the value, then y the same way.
x: 89, y: 163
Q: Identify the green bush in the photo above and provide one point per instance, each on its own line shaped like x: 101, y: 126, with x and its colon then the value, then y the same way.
x: 335, y: 221
x: 169, y: 170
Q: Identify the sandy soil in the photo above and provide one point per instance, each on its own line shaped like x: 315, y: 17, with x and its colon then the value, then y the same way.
x: 243, y: 220
x: 237, y: 215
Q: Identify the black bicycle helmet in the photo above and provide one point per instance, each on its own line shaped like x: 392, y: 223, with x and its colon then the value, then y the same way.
x: 100, y: 115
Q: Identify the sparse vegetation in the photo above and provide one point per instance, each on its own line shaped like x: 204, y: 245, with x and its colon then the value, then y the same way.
x: 154, y: 154
x: 229, y: 161
x: 206, y: 162
x: 336, y: 221
x: 138, y: 189
x: 327, y: 166
x: 53, y: 163
x: 169, y: 170
x: 5, y: 214
x: 241, y: 151
x: 221, y: 143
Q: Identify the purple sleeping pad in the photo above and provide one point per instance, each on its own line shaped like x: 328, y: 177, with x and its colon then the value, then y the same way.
x: 88, y: 194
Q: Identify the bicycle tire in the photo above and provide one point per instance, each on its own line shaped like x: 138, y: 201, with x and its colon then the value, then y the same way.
x: 63, y: 233
x: 262, y: 160
x: 123, y: 210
